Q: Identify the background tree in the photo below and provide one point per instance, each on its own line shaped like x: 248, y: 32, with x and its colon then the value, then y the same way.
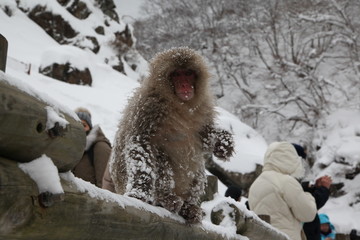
x: 283, y: 64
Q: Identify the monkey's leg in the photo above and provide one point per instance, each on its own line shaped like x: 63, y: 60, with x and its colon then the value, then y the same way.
x: 141, y: 172
x: 165, y: 184
x: 191, y: 210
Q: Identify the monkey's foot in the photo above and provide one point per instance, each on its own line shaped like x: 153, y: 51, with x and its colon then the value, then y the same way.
x: 171, y: 202
x: 138, y: 196
x: 191, y: 213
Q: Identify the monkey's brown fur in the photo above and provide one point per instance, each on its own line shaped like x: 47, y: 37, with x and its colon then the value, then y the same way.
x: 159, y: 146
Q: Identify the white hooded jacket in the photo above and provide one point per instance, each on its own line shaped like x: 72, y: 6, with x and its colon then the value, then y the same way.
x: 278, y: 194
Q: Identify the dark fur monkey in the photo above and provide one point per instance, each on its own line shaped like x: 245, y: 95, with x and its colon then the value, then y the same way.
x: 166, y: 128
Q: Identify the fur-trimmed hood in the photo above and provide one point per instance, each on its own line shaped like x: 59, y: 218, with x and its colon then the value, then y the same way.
x: 95, y: 135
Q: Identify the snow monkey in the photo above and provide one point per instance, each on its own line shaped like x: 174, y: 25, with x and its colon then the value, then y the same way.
x: 166, y: 128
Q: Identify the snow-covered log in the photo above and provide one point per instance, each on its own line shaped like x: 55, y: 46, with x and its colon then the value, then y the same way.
x: 87, y: 212
x: 76, y: 215
x: 30, y: 127
x: 250, y: 226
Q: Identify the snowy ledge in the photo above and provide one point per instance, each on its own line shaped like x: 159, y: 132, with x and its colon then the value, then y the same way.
x: 75, y: 209
x: 83, y: 212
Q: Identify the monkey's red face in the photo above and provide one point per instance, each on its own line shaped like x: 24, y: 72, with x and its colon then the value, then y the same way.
x: 184, y: 83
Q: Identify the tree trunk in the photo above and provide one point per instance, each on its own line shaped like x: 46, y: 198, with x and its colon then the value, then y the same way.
x: 229, y: 178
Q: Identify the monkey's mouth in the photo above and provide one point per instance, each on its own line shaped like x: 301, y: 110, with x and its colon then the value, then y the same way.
x: 183, y: 81
x: 186, y: 95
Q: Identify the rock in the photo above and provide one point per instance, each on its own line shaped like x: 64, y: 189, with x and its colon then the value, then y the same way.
x: 77, y: 8
x: 227, y: 215
x: 108, y: 8
x: 233, y: 178
x: 54, y: 25
x: 67, y: 73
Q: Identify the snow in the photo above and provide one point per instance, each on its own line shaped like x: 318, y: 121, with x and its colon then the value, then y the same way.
x: 343, y: 134
x: 30, y: 47
x: 250, y: 146
x: 340, y: 152
x: 43, y: 171
x: 65, y: 54
x: 53, y: 117
x: 227, y: 225
x: 129, y: 9
x: 123, y: 201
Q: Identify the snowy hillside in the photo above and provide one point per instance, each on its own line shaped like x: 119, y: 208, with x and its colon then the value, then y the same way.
x: 31, y: 47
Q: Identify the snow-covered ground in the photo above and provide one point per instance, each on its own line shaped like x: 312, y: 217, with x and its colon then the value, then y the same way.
x: 30, y: 47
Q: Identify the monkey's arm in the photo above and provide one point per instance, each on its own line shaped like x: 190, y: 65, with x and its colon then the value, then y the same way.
x: 191, y: 210
x: 219, y: 141
x: 141, y: 153
x: 141, y: 178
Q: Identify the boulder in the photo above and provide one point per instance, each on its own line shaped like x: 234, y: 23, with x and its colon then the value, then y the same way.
x: 24, y: 135
x: 67, y: 73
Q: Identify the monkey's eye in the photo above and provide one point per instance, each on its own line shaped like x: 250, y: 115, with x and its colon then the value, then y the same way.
x: 189, y: 72
x: 176, y: 74
x: 182, y: 72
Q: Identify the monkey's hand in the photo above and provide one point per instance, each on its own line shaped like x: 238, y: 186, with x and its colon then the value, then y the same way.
x: 218, y: 141
x: 224, y: 145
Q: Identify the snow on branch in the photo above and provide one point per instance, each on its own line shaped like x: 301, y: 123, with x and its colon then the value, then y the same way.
x: 323, y: 18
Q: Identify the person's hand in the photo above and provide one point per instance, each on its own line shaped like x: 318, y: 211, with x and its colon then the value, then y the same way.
x: 329, y: 238
x: 324, y: 181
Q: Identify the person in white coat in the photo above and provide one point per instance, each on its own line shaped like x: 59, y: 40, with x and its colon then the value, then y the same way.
x: 277, y: 193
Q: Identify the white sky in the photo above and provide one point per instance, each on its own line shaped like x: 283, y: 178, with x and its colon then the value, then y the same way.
x: 129, y: 7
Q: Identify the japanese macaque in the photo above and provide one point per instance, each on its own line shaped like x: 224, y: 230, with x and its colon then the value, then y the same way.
x: 166, y: 128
